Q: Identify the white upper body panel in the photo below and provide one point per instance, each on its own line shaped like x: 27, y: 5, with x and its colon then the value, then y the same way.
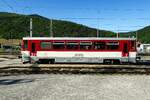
x: 76, y: 38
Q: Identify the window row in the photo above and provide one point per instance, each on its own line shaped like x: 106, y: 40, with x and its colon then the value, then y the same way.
x: 81, y: 45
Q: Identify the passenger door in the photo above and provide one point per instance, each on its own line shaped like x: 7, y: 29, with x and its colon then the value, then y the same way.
x: 33, y: 49
x: 125, y: 51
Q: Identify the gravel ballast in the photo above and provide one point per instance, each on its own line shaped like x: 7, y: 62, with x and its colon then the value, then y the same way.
x: 75, y: 87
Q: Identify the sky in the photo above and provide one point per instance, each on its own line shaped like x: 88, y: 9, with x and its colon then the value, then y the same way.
x: 113, y: 15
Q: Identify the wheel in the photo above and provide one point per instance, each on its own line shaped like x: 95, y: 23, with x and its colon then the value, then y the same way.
x: 116, y: 61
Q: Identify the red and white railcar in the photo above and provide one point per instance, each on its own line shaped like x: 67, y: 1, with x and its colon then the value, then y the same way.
x: 78, y: 50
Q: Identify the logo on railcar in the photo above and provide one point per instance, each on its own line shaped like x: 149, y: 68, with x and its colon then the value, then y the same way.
x: 79, y: 55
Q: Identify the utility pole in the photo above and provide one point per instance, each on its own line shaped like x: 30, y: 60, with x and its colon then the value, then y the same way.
x: 117, y: 34
x: 97, y: 33
x: 31, y: 27
x: 98, y: 20
x: 136, y: 35
x: 51, y: 28
x: 98, y: 28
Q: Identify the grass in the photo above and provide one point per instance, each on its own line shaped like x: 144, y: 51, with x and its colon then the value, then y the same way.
x: 1, y: 50
x: 10, y: 41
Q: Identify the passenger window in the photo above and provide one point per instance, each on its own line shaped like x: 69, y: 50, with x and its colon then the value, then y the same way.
x: 46, y: 45
x: 59, y: 45
x: 85, y: 45
x: 72, y: 45
x: 99, y: 45
x: 25, y: 44
x: 112, y: 45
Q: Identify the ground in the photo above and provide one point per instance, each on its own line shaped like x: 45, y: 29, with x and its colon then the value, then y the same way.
x: 75, y: 87
x: 10, y: 41
x: 72, y: 86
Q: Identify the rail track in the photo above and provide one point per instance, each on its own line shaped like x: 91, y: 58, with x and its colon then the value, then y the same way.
x: 74, y: 69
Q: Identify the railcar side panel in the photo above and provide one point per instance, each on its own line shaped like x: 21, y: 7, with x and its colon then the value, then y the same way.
x: 78, y: 50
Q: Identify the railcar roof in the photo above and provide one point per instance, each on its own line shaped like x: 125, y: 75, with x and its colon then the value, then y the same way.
x: 76, y: 38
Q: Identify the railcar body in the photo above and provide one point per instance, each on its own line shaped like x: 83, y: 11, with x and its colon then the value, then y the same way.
x: 78, y: 50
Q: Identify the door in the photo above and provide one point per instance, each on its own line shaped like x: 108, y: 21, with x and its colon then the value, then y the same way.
x: 33, y: 49
x: 125, y: 51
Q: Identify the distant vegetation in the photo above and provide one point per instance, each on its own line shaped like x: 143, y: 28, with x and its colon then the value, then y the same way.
x: 144, y: 34
x: 16, y: 26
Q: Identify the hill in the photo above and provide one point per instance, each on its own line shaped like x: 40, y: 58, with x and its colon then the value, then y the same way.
x: 142, y: 34
x: 17, y: 26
